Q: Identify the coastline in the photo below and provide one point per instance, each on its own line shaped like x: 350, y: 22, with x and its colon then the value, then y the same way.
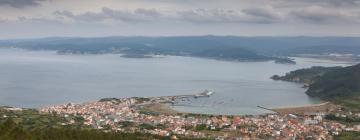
x: 162, y: 105
x: 301, y: 110
x: 165, y: 108
x: 315, y: 108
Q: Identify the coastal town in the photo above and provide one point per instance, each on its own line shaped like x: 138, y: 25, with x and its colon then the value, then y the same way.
x: 139, y: 114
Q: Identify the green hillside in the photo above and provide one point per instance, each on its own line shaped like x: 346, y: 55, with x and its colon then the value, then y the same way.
x: 307, y: 76
x: 343, y: 82
x: 336, y: 84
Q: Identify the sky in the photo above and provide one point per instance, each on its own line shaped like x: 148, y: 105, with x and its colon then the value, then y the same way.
x: 93, y: 18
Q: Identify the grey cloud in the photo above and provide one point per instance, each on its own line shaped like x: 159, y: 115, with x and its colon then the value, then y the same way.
x: 327, y: 3
x: 2, y: 20
x: 107, y: 13
x: 322, y: 15
x: 88, y: 16
x: 336, y: 2
x: 148, y: 12
x: 63, y: 13
x: 342, y: 2
x: 131, y: 16
x: 226, y: 16
x: 39, y: 20
x: 268, y: 14
x: 193, y: 15
x: 256, y: 15
x: 20, y: 3
x: 319, y: 11
x: 148, y: 15
x: 209, y: 15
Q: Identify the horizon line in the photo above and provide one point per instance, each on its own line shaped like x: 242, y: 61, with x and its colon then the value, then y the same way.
x: 164, y: 36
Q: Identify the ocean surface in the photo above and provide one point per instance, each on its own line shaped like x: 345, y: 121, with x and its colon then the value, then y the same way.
x: 34, y: 79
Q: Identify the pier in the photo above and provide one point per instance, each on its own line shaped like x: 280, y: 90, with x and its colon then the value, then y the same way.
x: 267, y: 109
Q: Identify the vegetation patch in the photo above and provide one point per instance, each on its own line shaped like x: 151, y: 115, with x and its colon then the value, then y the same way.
x: 348, y: 136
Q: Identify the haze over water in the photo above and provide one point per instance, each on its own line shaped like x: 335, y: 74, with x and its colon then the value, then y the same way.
x: 41, y: 78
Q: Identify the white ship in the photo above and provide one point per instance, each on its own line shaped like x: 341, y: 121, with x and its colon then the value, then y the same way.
x: 205, y: 93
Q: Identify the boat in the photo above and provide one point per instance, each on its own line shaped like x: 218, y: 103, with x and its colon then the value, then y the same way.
x: 205, y: 93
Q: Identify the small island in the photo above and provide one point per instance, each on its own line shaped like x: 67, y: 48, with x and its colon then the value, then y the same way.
x: 136, y: 56
x: 285, y: 61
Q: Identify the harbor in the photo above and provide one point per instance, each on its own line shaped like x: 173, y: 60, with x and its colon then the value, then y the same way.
x: 172, y: 99
x: 113, y: 113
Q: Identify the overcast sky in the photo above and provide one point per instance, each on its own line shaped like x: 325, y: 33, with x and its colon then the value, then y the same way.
x: 43, y: 18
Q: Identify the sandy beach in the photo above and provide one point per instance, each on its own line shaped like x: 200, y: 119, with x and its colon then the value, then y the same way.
x: 322, y: 107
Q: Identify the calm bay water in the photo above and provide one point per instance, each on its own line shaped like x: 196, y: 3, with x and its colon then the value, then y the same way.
x: 40, y: 78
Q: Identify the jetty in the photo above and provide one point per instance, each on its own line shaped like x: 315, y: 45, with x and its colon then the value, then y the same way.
x: 267, y: 109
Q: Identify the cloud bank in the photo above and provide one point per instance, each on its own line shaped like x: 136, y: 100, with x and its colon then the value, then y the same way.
x: 20, y: 3
x: 181, y: 17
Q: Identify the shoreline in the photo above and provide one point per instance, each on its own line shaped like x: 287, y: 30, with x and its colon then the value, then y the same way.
x: 161, y: 107
x: 315, y: 108
x: 165, y: 108
x: 320, y: 107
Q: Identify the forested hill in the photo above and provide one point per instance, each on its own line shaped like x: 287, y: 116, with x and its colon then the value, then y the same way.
x: 344, y: 82
x: 306, y: 76
x: 338, y: 84
x: 262, y: 45
x: 218, y: 47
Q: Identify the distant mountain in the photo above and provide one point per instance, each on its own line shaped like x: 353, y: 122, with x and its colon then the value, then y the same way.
x: 239, y: 54
x: 218, y: 47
